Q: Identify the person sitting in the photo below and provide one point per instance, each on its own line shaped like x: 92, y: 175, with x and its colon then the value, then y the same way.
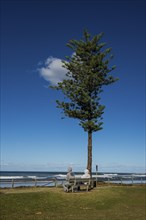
x: 86, y: 174
x: 70, y: 175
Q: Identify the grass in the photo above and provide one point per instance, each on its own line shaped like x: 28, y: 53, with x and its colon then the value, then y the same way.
x: 101, y: 203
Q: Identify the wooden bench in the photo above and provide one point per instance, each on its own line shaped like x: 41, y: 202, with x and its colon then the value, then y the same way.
x: 78, y: 183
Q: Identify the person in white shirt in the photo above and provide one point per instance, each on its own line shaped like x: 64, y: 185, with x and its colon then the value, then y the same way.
x: 86, y: 174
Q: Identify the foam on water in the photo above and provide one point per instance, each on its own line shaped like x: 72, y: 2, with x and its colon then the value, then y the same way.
x: 11, y: 177
x: 42, y: 178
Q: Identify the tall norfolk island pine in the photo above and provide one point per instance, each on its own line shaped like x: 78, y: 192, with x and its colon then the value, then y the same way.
x: 88, y: 71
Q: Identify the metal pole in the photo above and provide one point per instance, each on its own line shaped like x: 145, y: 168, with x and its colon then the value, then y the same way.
x: 96, y: 173
x: 12, y: 183
x: 132, y: 179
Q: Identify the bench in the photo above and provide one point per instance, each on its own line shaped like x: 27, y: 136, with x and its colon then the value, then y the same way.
x: 78, y: 183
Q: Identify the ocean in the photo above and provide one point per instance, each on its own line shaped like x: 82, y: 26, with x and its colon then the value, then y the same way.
x: 32, y: 178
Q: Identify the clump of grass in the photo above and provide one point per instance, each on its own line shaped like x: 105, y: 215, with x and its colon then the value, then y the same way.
x: 101, y: 203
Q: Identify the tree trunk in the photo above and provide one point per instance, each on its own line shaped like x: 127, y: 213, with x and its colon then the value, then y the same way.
x: 89, y: 163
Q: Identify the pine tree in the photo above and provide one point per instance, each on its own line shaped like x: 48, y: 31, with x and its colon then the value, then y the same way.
x: 88, y: 71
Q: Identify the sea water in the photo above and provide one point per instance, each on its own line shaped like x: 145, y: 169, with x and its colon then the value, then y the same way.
x: 31, y: 178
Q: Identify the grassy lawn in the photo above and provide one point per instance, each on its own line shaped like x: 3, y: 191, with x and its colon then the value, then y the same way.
x: 101, y: 203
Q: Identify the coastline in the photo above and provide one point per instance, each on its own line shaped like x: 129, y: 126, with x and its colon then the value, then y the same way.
x: 9, y: 179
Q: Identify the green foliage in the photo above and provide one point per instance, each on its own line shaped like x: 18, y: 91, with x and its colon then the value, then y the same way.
x: 88, y: 71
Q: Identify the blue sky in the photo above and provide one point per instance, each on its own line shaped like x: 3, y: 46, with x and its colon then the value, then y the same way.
x: 33, y: 38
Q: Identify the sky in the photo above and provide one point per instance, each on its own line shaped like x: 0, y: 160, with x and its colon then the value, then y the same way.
x: 34, y: 35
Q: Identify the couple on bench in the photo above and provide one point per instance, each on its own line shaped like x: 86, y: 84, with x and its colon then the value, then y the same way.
x: 70, y: 175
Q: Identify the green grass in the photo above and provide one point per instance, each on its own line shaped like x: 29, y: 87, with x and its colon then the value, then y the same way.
x: 101, y: 203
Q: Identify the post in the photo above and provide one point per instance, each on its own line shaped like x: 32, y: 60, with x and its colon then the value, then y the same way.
x: 35, y: 182
x: 55, y: 182
x: 12, y: 183
x: 132, y: 179
x: 96, y: 173
x: 141, y: 180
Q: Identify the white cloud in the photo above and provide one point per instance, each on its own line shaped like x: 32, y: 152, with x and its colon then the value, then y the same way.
x: 121, y: 168
x: 77, y: 167
x: 53, y: 71
x: 50, y: 167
